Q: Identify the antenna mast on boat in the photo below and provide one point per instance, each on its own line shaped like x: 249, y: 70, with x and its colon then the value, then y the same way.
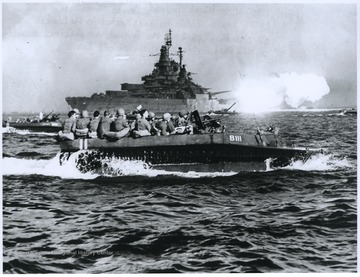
x: 168, y: 39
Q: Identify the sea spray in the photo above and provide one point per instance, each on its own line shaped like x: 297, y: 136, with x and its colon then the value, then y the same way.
x: 12, y: 130
x: 107, y: 165
x: 52, y: 167
x: 68, y: 168
x: 320, y: 162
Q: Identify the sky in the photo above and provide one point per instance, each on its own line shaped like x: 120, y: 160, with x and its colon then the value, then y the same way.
x: 262, y: 53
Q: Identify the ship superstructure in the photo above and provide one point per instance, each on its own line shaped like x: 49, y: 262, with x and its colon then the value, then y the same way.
x: 168, y: 88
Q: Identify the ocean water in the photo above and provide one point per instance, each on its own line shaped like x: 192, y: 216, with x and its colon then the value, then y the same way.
x: 300, y: 218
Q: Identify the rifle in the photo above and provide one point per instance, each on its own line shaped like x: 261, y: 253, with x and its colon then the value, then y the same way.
x: 46, y: 116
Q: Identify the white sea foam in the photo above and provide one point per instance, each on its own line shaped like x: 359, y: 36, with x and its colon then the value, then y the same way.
x: 10, y: 130
x: 14, y: 166
x: 113, y: 167
x: 119, y: 167
x: 321, y: 162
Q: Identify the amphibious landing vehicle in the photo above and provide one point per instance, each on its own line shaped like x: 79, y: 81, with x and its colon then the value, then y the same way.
x: 209, y: 152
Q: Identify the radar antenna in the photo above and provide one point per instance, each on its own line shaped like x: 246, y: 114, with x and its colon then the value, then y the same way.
x: 168, y: 39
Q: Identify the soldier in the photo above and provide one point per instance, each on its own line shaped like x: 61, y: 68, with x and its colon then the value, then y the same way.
x: 183, y: 123
x: 166, y: 126
x: 141, y: 127
x: 152, y: 120
x: 104, y: 125
x: 69, y: 127
x: 94, y: 124
x: 119, y: 127
x: 77, y: 113
x: 82, y: 124
x: 182, y: 119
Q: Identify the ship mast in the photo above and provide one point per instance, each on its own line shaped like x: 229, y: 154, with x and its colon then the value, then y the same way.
x: 180, y: 55
x: 168, y: 39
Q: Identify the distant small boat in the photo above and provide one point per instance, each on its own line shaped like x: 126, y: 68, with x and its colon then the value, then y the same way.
x: 225, y: 111
x: 352, y: 111
x: 46, y: 124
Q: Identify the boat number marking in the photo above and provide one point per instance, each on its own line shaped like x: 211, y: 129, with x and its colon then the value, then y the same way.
x: 235, y: 138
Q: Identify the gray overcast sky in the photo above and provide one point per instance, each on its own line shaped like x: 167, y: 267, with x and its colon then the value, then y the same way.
x: 51, y: 51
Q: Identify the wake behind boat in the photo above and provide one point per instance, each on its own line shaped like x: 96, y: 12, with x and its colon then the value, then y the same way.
x: 52, y: 127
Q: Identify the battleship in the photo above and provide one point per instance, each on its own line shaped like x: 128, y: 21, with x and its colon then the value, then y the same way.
x: 169, y: 88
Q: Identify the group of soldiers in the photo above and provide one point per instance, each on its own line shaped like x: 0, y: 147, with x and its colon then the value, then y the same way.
x: 143, y: 123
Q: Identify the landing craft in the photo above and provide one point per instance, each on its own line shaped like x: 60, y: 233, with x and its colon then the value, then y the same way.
x: 47, y: 123
x: 168, y: 88
x: 351, y: 111
x: 212, y: 151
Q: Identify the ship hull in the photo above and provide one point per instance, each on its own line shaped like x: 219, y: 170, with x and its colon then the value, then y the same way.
x: 200, y: 152
x: 129, y: 104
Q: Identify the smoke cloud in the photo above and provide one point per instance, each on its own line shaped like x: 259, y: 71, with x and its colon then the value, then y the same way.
x: 289, y: 90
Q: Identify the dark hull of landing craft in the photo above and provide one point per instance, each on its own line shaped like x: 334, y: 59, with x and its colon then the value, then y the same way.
x: 201, y: 152
x: 350, y: 111
x: 37, y: 126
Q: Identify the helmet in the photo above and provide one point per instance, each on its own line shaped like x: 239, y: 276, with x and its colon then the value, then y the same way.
x: 120, y: 111
x: 76, y: 111
x: 183, y: 113
x: 84, y: 113
x: 166, y: 116
x: 151, y: 114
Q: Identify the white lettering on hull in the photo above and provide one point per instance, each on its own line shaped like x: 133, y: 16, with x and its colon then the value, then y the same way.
x: 235, y: 138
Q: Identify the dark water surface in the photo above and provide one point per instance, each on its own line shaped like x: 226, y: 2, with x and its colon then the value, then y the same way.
x: 302, y: 218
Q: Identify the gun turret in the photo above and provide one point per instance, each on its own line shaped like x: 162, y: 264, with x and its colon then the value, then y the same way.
x: 212, y: 94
